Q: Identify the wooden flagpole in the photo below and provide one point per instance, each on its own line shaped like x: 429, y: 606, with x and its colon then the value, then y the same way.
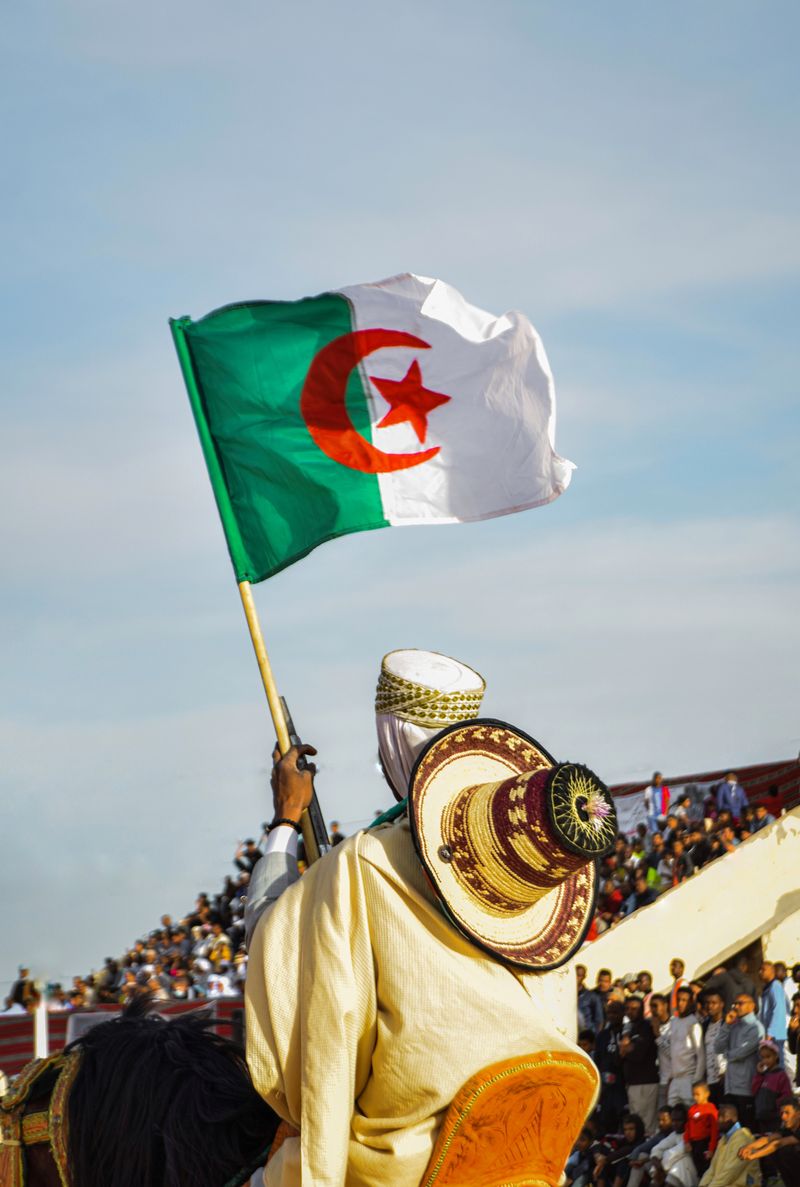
x: 274, y: 702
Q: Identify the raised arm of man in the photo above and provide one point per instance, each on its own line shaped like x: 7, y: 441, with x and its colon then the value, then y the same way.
x: 292, y: 790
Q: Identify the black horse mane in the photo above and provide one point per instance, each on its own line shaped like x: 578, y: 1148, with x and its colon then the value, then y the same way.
x: 159, y: 1103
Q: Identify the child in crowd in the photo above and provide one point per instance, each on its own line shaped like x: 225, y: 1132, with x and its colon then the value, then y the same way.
x: 580, y: 1164
x: 701, y: 1127
x: 770, y: 1084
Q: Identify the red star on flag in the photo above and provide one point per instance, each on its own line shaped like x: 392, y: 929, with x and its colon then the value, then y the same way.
x: 409, y: 401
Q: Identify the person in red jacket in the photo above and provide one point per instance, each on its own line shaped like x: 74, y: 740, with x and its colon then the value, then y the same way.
x: 770, y: 1084
x: 702, y: 1130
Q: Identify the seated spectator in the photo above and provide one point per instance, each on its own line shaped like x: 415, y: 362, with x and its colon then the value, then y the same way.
x: 672, y: 829
x: 670, y: 1161
x: 612, y: 1168
x: 770, y: 1085
x: 656, y: 851
x: 782, y: 1147
x: 701, y: 1127
x: 56, y: 999
x: 710, y: 809
x: 580, y: 1164
x: 641, y: 895
x: 728, y: 839
x: 698, y: 847
x: 685, y: 866
x: 683, y: 808
x: 611, y: 900
x: 639, y: 1156
x: 726, y: 1167
x: 220, y: 950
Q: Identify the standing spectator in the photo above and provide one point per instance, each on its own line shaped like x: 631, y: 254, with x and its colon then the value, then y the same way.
x: 640, y: 1065
x: 789, y: 987
x: 676, y: 971
x: 773, y: 1006
x: 247, y: 856
x: 656, y: 801
x: 739, y: 1040
x: 701, y: 1127
x: 661, y: 1022
x: 336, y: 835
x: 716, y: 1063
x: 23, y: 992
x: 687, y: 1056
x: 731, y: 797
x: 744, y: 982
x: 770, y: 1085
x: 645, y: 984
x: 590, y: 1005
x: 727, y: 1169
x: 609, y: 1064
x: 603, y: 986
x: 793, y: 1037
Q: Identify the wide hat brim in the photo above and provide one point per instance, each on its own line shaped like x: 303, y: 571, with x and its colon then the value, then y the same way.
x: 542, y: 936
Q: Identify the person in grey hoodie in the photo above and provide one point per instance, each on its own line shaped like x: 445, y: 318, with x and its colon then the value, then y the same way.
x: 738, y: 1040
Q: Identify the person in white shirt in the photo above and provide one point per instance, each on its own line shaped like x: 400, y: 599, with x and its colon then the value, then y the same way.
x: 686, y: 1050
x: 662, y: 1024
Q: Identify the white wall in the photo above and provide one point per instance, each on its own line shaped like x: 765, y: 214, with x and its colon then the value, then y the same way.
x: 745, y: 895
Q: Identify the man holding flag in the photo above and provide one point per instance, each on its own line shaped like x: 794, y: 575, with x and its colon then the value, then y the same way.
x: 386, y: 984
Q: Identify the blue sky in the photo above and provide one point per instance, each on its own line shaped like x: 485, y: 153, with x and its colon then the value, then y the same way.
x: 625, y: 175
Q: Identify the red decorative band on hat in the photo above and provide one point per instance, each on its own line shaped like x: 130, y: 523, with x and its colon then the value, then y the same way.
x: 512, y: 842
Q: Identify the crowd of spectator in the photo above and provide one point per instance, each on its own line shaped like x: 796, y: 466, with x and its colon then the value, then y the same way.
x: 197, y: 957
x: 683, y: 833
x: 202, y: 955
x: 698, y: 1080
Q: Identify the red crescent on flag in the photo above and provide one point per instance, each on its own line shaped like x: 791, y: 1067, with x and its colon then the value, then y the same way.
x: 324, y: 406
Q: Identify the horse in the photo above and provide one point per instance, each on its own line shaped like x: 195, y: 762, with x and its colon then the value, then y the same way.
x: 139, y: 1101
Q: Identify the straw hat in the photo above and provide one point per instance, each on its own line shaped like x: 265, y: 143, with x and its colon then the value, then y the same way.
x: 509, y: 839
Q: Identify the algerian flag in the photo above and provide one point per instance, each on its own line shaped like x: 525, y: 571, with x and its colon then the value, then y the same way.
x: 376, y: 406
